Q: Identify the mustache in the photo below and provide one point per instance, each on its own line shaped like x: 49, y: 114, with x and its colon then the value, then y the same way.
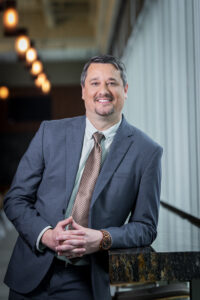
x: 105, y: 96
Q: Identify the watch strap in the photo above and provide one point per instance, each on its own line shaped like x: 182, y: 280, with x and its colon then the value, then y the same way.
x: 106, y: 241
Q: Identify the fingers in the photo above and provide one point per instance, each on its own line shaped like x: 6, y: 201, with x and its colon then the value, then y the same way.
x: 76, y: 225
x: 71, y: 245
x: 72, y: 248
x: 70, y: 235
x: 77, y: 252
x: 73, y: 256
x: 65, y: 222
x: 71, y: 251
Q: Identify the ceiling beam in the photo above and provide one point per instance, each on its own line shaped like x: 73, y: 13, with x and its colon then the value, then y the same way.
x: 107, y: 14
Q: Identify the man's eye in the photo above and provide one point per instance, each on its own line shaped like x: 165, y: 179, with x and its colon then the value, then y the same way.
x: 112, y: 83
x: 94, y: 83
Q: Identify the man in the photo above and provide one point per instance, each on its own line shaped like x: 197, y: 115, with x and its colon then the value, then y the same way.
x: 56, y: 257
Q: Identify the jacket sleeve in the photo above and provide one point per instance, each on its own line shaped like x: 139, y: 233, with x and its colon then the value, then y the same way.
x: 141, y: 228
x: 20, y: 199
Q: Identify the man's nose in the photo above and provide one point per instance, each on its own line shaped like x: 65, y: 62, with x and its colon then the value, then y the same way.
x: 104, y: 89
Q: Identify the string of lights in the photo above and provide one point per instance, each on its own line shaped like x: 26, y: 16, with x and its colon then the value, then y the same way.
x: 24, y: 48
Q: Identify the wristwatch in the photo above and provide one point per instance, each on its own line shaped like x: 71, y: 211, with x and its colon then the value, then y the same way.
x: 106, y: 241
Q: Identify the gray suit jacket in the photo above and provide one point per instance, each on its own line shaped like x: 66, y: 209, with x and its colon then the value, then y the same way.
x: 128, y: 185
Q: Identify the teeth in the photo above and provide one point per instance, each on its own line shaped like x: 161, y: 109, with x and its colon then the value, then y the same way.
x: 102, y: 100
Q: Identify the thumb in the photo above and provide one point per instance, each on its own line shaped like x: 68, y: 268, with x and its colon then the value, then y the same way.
x: 65, y: 222
x: 76, y: 225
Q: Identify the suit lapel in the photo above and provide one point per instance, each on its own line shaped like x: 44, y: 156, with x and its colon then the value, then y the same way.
x: 74, y: 142
x: 118, y: 150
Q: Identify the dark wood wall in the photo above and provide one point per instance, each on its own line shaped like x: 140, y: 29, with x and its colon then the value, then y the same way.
x: 15, y: 136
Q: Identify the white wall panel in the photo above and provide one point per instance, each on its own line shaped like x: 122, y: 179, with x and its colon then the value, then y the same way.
x: 196, y: 22
x: 163, y: 62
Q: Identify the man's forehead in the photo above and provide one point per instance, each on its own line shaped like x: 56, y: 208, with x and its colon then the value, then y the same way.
x: 96, y: 69
x: 102, y: 65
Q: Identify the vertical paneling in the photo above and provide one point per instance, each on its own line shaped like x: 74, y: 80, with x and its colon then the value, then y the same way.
x: 196, y: 24
x: 163, y: 59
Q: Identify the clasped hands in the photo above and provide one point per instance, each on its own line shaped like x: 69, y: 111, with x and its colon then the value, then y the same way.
x: 74, y: 242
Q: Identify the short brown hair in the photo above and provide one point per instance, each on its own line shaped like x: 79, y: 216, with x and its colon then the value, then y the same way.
x: 105, y: 59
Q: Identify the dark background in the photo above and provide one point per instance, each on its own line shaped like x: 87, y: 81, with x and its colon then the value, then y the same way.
x: 21, y: 115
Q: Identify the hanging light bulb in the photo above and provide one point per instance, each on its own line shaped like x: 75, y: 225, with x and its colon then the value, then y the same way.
x: 46, y: 86
x: 36, y: 68
x: 31, y: 55
x: 10, y: 19
x: 22, y: 44
x: 40, y: 79
x: 4, y: 92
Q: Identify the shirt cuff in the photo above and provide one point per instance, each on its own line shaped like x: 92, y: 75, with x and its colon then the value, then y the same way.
x: 40, y: 247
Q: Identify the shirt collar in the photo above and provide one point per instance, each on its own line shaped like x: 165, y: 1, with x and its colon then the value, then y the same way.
x: 108, y: 133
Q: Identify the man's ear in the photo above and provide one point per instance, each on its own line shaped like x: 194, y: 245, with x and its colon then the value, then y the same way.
x: 83, y: 92
x: 126, y: 91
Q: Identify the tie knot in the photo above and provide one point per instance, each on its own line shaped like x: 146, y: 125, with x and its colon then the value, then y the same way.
x: 98, y: 137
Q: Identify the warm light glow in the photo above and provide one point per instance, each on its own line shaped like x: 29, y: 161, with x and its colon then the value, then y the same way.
x: 31, y: 55
x: 40, y: 79
x: 4, y: 92
x: 10, y: 18
x: 46, y: 86
x: 36, y: 68
x: 22, y: 44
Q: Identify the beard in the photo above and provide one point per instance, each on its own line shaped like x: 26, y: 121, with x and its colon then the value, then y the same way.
x: 104, y: 111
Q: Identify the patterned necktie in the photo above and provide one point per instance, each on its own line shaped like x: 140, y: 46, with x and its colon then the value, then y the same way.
x: 91, y: 171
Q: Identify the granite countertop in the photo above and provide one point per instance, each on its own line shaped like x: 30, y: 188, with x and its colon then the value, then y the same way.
x: 175, y: 254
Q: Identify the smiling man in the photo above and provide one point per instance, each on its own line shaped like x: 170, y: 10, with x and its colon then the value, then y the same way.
x: 75, y: 187
x: 104, y: 93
